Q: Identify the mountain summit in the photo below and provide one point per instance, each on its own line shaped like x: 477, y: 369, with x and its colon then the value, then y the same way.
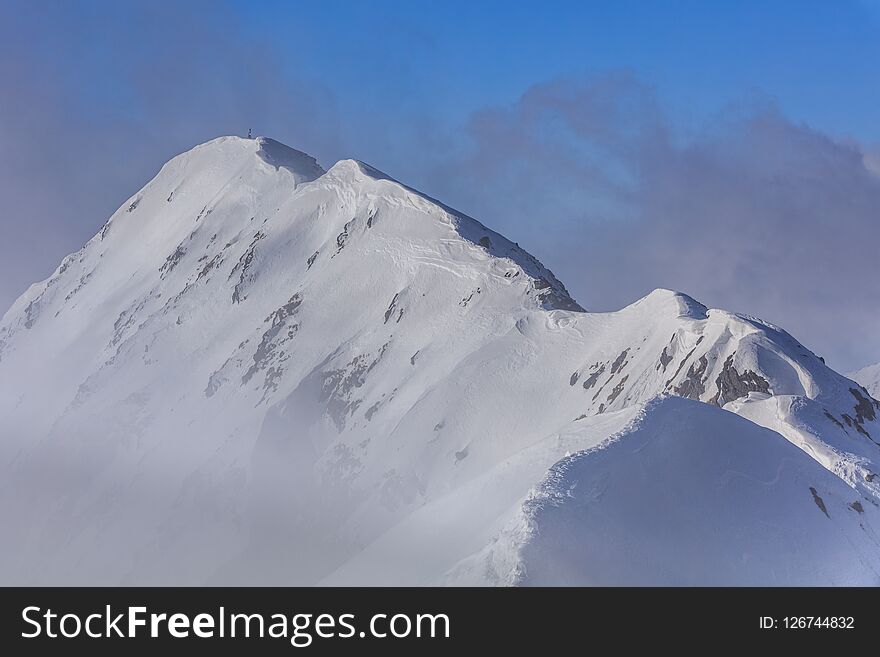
x: 261, y: 372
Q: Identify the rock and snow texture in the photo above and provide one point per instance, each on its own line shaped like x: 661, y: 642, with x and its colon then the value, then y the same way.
x: 869, y: 377
x: 262, y: 372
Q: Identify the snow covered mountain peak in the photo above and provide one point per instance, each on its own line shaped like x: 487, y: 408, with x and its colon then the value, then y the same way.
x: 256, y: 358
x: 364, y: 179
x: 230, y: 151
x: 666, y: 301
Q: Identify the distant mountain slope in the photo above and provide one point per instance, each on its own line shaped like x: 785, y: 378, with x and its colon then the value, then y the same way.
x: 256, y: 359
x: 869, y: 377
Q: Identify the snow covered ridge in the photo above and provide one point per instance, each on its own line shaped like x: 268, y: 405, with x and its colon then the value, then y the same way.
x: 587, y: 524
x: 261, y: 372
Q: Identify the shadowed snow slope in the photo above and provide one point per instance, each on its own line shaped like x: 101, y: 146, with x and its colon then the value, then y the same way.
x: 261, y: 372
x: 694, y: 495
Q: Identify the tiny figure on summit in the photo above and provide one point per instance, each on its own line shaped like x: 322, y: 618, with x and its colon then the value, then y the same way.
x: 249, y: 134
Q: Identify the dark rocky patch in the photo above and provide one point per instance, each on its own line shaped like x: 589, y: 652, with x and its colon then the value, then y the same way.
x: 134, y: 204
x: 173, y: 302
x: 204, y: 212
x: 834, y: 419
x: 732, y: 385
x: 270, y: 382
x: 694, y: 385
x: 211, y: 264
x: 125, y: 321
x: 857, y: 507
x: 665, y: 359
x: 485, y: 242
x: 554, y: 298
x: 615, y: 392
x: 680, y: 365
x: 854, y: 423
x: 619, y: 363
x: 464, y: 302
x: 863, y: 431
x: 573, y: 379
x: 32, y: 312
x: 590, y: 381
x: 412, y: 360
x: 391, y: 307
x: 218, y: 377
x: 819, y: 501
x: 311, y: 260
x: 267, y: 356
x: 864, y: 408
x: 171, y: 261
x: 342, y: 238
x: 242, y: 268
x: 599, y: 391
x: 371, y: 411
x: 80, y: 285
x: 214, y: 383
x: 337, y: 386
x: 285, y: 311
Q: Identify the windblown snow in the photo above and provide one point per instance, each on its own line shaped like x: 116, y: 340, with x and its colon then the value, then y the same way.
x: 262, y: 372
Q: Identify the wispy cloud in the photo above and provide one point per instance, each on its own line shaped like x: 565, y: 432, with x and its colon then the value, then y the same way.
x: 752, y: 213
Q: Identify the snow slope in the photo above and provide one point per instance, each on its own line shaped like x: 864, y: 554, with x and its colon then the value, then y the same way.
x: 691, y: 495
x: 869, y: 377
x: 262, y: 372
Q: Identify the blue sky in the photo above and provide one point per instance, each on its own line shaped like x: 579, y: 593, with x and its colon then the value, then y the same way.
x: 444, y: 60
x: 726, y: 149
x: 818, y: 60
